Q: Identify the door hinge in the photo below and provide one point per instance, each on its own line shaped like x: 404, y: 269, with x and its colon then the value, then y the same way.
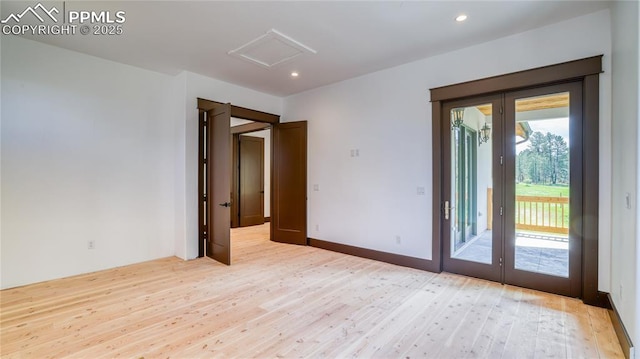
x: 501, y: 210
x: 501, y: 110
x: 501, y: 160
x: 204, y: 197
x: 500, y: 261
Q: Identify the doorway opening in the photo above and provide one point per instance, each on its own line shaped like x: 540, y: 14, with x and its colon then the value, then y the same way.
x: 529, y: 187
x: 542, y: 183
x: 542, y: 207
x: 250, y: 173
x: 250, y: 182
x: 217, y: 178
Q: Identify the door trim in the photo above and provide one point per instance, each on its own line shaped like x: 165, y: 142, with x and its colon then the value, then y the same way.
x: 249, y: 127
x: 546, y: 75
x: 585, y: 70
x: 240, y: 112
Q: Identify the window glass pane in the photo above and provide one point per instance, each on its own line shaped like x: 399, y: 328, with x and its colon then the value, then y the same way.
x: 472, y: 184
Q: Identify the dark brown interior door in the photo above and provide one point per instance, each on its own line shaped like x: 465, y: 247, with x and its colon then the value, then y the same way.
x: 251, y: 153
x: 218, y: 194
x: 235, y: 180
x: 289, y: 182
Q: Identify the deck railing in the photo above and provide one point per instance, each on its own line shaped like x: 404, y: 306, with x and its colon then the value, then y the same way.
x: 542, y: 214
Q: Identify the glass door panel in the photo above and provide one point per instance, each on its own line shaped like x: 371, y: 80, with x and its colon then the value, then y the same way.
x: 471, y: 234
x: 543, y: 188
x: 470, y: 246
x: 542, y: 184
x: 512, y: 188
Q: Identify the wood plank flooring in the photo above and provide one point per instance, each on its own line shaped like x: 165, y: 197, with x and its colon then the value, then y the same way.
x: 286, y: 301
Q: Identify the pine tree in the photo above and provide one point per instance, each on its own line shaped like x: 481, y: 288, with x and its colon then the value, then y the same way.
x: 545, y: 161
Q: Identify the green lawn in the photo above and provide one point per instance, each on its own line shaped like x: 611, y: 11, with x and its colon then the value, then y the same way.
x: 540, y: 190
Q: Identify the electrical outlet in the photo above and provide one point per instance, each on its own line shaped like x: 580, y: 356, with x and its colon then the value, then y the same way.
x: 357, y: 152
x: 316, y: 187
x: 353, y: 153
x: 317, y: 228
x: 91, y: 244
x: 420, y: 191
x: 398, y: 240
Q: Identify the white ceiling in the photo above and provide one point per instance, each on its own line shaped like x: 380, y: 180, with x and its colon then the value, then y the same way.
x: 351, y: 38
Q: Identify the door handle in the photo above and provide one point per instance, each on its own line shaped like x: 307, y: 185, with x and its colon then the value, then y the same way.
x: 226, y: 204
x: 447, y: 209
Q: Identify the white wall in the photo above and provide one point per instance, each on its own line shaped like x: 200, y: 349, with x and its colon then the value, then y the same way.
x: 215, y: 90
x: 93, y: 149
x: 625, y: 236
x: 87, y: 154
x: 180, y: 210
x: 366, y: 201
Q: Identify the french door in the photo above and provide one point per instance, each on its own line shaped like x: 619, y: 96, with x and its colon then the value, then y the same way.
x: 475, y: 249
x: 512, y: 184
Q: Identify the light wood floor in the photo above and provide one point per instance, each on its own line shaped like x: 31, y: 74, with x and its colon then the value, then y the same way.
x: 279, y: 300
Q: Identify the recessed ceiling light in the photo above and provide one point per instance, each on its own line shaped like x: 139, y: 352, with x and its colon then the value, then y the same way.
x: 295, y: 74
x: 461, y: 18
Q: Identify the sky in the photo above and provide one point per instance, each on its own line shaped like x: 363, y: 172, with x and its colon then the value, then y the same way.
x: 557, y: 126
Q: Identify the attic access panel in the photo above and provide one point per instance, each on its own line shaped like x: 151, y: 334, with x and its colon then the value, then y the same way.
x: 271, y: 49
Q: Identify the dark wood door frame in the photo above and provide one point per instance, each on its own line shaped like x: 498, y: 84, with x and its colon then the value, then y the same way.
x: 266, y: 119
x: 240, y: 112
x: 249, y: 127
x: 587, y: 72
